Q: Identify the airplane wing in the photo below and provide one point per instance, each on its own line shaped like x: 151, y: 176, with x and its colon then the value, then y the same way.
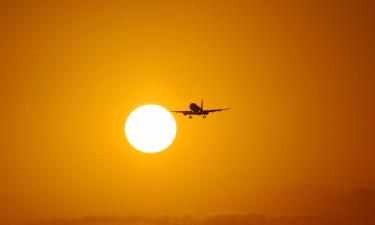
x: 214, y: 110
x: 183, y: 112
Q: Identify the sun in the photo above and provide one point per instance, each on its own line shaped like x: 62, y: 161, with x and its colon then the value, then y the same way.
x: 150, y: 128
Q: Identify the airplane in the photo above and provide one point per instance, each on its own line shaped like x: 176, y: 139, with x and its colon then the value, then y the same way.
x: 199, y: 111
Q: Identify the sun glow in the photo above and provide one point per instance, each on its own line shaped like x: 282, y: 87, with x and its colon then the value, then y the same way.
x: 150, y: 128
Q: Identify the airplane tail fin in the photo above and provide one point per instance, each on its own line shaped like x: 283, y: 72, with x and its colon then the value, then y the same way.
x: 202, y: 104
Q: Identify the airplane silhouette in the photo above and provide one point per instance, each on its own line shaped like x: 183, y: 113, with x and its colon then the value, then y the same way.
x: 199, y: 111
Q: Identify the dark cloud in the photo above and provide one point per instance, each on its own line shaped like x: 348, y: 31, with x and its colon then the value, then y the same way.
x: 353, y: 208
x: 359, y: 201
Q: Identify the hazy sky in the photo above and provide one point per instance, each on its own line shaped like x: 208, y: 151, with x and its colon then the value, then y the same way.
x: 298, y: 75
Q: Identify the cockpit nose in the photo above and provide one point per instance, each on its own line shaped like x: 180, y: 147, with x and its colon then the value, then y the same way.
x: 194, y: 107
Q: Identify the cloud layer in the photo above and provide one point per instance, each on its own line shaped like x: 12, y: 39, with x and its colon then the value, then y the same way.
x: 353, y: 208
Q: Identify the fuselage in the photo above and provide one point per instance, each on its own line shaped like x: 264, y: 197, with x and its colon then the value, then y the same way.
x: 196, y: 109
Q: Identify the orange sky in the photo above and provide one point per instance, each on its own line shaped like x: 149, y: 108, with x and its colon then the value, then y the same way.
x: 298, y: 76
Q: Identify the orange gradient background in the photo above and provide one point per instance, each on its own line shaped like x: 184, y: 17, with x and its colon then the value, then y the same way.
x: 298, y: 76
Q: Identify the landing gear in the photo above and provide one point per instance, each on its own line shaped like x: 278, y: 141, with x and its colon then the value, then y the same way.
x: 190, y: 117
x: 204, y: 117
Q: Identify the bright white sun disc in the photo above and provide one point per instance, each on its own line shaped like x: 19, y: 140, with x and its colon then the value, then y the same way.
x: 150, y: 128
